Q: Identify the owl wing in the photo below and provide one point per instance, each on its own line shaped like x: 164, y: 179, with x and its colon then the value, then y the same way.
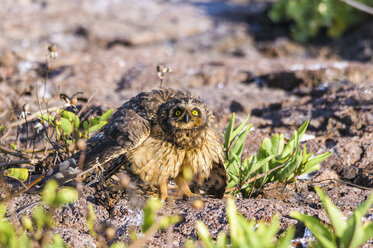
x: 128, y: 127
x: 124, y: 131
x: 216, y: 183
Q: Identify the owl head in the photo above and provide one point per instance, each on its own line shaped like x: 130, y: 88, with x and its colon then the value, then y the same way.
x: 184, y: 114
x: 184, y: 119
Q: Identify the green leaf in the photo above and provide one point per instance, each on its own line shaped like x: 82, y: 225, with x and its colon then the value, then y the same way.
x: 85, y: 125
x: 204, y: 234
x: 367, y: 232
x: 94, y: 121
x: 268, y: 231
x: 66, y: 125
x: 18, y: 173
x: 97, y: 127
x: 285, y: 240
x: 91, y: 218
x: 238, y: 130
x: 189, y: 243
x: 335, y: 215
x: 290, y: 146
x: 358, y: 236
x: 105, y: 116
x: 42, y: 218
x: 294, y: 141
x: 49, y: 192
x: 258, y: 164
x: 221, y: 241
x: 265, y: 149
x: 72, y: 118
x: 365, y: 206
x: 46, y: 117
x: 239, y: 143
x: 231, y: 133
x: 305, y: 155
x: 322, y: 234
x: 311, y: 169
x: 152, y: 206
x: 118, y: 245
x: 286, y: 172
x: 228, y: 132
x: 249, y: 237
x: 66, y: 195
x: 57, y: 242
x: 237, y: 234
x: 302, y: 129
x: 316, y: 160
x: 166, y: 221
x: 27, y: 223
x: 277, y: 144
x: 234, y: 166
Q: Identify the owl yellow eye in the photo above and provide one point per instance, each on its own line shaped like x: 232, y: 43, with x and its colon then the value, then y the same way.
x: 177, y: 112
x: 195, y: 113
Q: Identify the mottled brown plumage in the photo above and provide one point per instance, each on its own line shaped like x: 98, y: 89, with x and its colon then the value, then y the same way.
x: 161, y: 134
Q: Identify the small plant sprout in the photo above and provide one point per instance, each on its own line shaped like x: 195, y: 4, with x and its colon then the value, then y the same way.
x: 161, y: 73
x: 52, y: 51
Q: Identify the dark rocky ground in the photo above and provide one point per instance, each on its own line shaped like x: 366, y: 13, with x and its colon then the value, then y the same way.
x: 228, y: 53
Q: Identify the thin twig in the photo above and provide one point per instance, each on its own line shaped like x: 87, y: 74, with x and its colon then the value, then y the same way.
x: 86, y: 105
x: 344, y: 182
x: 6, y: 150
x: 34, y: 115
x: 17, y: 162
x: 10, y: 197
x: 359, y: 6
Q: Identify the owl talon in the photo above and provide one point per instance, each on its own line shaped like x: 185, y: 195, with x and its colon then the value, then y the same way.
x: 183, y: 188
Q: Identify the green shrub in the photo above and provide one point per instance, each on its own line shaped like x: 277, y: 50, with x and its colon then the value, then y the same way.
x: 244, y: 233
x: 311, y: 16
x: 275, y: 162
x: 36, y: 230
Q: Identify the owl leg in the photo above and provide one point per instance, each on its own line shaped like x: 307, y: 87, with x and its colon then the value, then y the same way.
x: 163, y: 190
x: 183, y: 186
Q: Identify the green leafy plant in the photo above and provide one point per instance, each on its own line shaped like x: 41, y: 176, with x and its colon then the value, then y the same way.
x: 344, y: 232
x: 151, y: 224
x: 310, y: 16
x: 34, y: 231
x: 276, y: 161
x: 56, y: 197
x: 244, y: 233
x: 67, y: 124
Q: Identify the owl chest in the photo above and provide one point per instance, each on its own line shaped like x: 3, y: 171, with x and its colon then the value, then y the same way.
x: 156, y: 160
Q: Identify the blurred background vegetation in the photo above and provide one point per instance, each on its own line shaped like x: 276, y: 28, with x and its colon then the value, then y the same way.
x: 311, y: 17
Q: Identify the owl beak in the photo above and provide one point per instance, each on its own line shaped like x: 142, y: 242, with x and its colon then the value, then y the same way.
x: 186, y: 117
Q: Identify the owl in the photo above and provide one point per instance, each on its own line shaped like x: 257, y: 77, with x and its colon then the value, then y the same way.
x: 161, y: 134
